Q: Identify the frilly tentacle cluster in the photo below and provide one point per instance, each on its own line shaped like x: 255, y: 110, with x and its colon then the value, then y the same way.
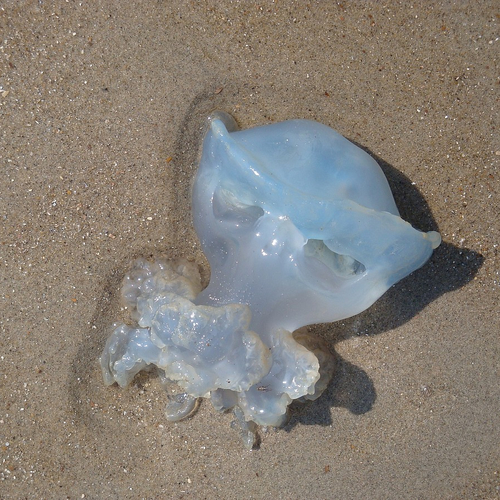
x: 209, y: 351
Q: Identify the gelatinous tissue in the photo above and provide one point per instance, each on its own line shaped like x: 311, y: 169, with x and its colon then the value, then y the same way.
x: 299, y: 226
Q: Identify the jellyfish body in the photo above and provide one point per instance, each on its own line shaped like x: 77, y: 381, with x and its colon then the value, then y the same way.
x: 299, y: 226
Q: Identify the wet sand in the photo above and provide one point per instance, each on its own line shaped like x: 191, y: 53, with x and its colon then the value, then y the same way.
x: 102, y: 108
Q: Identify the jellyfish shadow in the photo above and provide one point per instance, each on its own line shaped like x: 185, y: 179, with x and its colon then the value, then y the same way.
x: 449, y: 268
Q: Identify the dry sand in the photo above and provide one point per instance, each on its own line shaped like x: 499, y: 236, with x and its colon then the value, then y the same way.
x: 102, y: 104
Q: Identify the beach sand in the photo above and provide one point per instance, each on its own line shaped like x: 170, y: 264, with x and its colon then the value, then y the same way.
x: 102, y: 110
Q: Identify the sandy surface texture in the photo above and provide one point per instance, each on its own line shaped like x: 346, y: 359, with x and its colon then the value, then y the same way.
x: 102, y: 109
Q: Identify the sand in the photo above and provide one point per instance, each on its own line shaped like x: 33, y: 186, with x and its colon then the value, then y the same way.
x: 102, y: 108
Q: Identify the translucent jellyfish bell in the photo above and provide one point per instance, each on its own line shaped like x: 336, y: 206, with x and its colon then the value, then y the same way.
x: 299, y: 223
